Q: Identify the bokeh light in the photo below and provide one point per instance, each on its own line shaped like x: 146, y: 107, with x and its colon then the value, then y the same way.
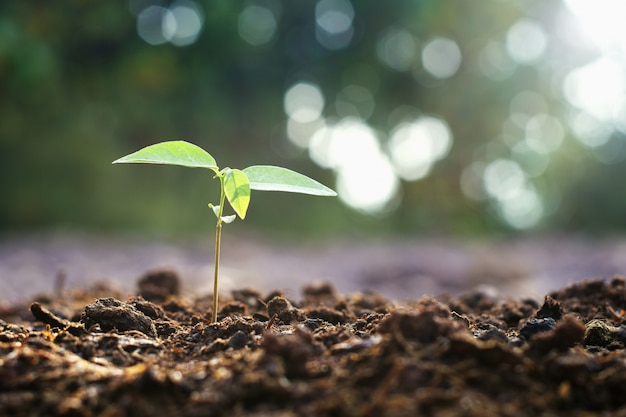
x: 392, y: 102
x: 356, y: 101
x: 180, y: 24
x: 151, y: 23
x: 526, y: 105
x: 300, y: 133
x: 472, y: 183
x: 494, y: 62
x: 526, y: 41
x: 365, y: 178
x: 186, y: 23
x: 304, y: 102
x: 515, y: 197
x: 532, y: 162
x: 257, y: 24
x: 416, y: 146
x: 589, y: 130
x: 334, y: 29
x: 398, y: 49
x: 441, y: 57
x: 523, y: 209
x: 597, y: 88
x: 509, y: 172
x: 603, y: 20
x: 544, y: 133
x: 503, y: 178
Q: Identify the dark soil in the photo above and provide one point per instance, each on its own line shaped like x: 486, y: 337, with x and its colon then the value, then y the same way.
x: 97, y: 352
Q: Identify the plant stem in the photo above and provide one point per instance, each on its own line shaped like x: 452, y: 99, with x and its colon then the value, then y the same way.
x: 218, y: 243
x: 218, y: 238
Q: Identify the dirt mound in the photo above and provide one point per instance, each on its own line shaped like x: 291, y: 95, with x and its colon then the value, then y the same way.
x: 98, y: 352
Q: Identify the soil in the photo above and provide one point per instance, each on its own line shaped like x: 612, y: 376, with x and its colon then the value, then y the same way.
x: 100, y: 352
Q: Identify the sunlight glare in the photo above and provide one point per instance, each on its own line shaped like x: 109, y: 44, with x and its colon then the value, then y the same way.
x: 603, y: 20
x: 416, y: 146
x: 369, y: 185
x: 365, y: 178
x: 597, y: 88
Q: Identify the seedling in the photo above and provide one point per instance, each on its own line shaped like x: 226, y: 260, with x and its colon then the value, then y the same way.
x: 235, y: 184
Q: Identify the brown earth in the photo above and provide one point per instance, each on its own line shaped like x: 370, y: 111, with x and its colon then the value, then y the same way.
x: 98, y: 352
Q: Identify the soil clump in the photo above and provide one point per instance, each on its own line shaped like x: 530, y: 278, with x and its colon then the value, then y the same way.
x: 97, y: 351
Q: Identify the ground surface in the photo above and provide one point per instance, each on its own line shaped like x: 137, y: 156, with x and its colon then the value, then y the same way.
x: 102, y: 352
x: 399, y: 268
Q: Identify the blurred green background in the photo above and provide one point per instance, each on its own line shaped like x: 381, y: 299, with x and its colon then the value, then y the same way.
x: 427, y: 116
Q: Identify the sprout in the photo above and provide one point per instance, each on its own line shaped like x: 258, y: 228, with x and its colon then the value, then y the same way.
x: 235, y: 185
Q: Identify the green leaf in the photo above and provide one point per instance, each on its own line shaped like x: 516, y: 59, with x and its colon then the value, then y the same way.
x: 237, y: 190
x: 176, y: 152
x: 271, y: 178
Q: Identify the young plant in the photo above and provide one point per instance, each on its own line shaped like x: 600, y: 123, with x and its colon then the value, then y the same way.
x: 235, y: 184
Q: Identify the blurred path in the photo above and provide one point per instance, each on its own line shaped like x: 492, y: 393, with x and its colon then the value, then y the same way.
x: 401, y: 269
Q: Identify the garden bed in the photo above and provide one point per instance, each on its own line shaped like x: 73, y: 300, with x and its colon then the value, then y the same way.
x: 97, y: 351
